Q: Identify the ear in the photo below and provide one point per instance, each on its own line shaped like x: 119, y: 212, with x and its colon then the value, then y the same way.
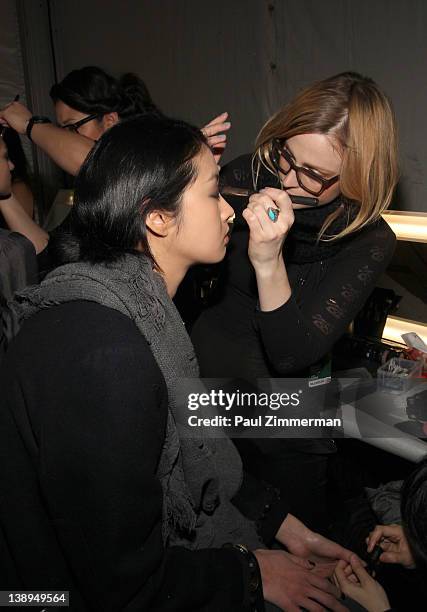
x: 159, y: 223
x: 109, y: 119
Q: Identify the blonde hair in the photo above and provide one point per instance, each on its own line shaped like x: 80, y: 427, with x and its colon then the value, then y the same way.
x: 358, y: 116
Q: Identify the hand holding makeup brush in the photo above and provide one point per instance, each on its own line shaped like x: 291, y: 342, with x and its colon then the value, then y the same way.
x: 270, y: 216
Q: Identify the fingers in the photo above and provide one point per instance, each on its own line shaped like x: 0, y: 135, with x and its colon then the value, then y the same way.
x: 323, y: 585
x: 216, y: 141
x: 392, y: 532
x: 359, y: 570
x: 305, y: 563
x: 326, y: 570
x: 348, y: 573
x: 260, y: 202
x: 218, y: 119
x: 311, y: 606
x: 214, y: 132
x: 254, y: 223
x: 279, y: 197
x: 327, y: 601
x: 390, y: 557
x: 217, y: 126
x: 342, y: 573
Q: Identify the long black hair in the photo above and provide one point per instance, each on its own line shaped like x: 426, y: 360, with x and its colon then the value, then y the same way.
x: 414, y: 513
x: 137, y: 166
x: 91, y: 90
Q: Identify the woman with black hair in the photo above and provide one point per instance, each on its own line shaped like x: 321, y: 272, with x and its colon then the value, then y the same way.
x: 405, y: 545
x: 15, y: 216
x: 88, y: 101
x: 99, y: 493
x: 21, y: 180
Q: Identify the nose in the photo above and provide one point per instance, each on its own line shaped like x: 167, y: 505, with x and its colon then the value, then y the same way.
x: 290, y: 180
x: 226, y: 211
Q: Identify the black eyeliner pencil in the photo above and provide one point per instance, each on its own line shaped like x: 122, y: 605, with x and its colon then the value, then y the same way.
x: 246, y: 193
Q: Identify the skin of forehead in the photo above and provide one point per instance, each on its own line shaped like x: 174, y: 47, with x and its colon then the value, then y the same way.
x: 307, y: 142
x: 69, y: 115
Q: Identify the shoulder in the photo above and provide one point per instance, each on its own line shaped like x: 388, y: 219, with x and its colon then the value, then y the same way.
x: 84, y: 334
x: 373, y: 245
x: 377, y: 234
x: 10, y: 240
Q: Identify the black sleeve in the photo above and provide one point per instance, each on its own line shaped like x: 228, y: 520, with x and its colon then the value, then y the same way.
x: 309, y: 332
x: 262, y: 503
x: 100, y: 444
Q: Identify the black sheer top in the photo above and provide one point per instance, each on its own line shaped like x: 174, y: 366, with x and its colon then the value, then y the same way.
x: 330, y: 283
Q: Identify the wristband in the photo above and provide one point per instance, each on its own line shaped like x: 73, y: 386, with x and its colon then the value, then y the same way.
x: 35, y: 119
x: 255, y: 581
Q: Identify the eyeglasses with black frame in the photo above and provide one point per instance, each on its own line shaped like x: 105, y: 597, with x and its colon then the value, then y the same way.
x: 309, y: 180
x: 74, y: 127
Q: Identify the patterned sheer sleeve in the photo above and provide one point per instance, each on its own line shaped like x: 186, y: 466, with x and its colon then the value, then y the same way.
x: 296, y: 336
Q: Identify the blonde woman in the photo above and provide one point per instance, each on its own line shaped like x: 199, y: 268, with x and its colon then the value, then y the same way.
x: 297, y: 274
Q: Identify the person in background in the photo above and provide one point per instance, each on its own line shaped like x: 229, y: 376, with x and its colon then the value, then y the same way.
x: 15, y: 215
x: 122, y: 511
x: 18, y: 265
x: 298, y: 273
x: 405, y: 545
x: 88, y: 102
x: 21, y: 180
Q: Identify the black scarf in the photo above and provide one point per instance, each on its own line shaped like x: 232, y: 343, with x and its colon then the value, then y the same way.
x: 302, y: 244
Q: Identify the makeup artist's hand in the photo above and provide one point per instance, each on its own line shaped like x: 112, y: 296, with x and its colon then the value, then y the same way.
x: 393, y: 541
x: 365, y: 590
x: 291, y: 584
x: 215, y: 133
x: 266, y: 237
x: 16, y: 116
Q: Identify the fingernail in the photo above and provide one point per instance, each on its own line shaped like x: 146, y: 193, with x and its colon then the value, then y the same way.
x: 227, y: 124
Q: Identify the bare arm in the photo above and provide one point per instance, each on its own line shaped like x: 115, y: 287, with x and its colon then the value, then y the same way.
x: 67, y: 149
x: 23, y: 193
x: 18, y: 220
x: 265, y: 245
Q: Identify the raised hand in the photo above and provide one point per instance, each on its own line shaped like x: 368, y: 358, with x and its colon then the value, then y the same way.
x: 215, y: 133
x: 392, y: 539
x: 268, y: 229
x: 16, y: 116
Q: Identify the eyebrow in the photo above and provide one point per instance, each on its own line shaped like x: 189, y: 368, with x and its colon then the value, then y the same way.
x: 309, y: 166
